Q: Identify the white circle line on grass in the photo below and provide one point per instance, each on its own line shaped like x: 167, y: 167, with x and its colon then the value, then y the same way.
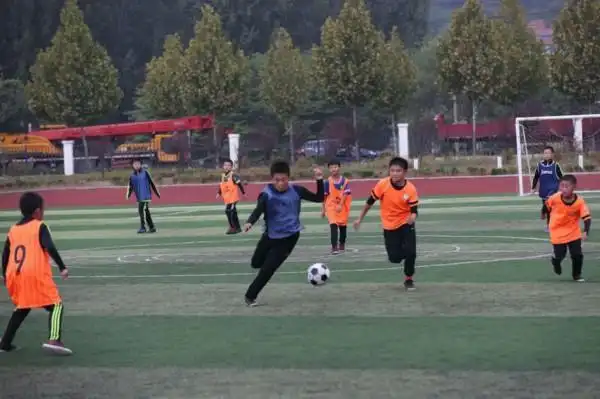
x: 239, y: 274
x: 256, y: 238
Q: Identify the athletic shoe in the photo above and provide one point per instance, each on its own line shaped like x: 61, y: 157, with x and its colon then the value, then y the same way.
x: 230, y: 230
x: 142, y: 230
x: 152, y: 230
x: 11, y: 348
x: 250, y: 302
x: 237, y: 231
x: 409, y: 284
x: 342, y: 247
x: 578, y: 279
x: 57, y: 348
x: 335, y: 251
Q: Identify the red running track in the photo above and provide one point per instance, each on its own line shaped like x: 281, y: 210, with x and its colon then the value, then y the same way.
x: 189, y: 194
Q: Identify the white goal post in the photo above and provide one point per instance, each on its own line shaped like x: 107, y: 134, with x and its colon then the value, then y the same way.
x: 574, y: 142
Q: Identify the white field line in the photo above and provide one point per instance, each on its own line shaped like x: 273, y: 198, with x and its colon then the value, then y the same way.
x: 201, y: 208
x: 365, y: 270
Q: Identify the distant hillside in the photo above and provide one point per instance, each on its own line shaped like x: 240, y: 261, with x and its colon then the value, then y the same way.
x: 441, y: 10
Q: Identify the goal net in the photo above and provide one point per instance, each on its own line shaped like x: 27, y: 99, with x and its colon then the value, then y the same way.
x: 575, y: 139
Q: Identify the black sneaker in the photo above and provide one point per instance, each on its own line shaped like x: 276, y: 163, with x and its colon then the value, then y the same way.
x: 152, y: 230
x: 557, y: 267
x: 409, y: 285
x: 11, y: 348
x: 578, y: 279
x: 250, y: 302
x: 142, y: 230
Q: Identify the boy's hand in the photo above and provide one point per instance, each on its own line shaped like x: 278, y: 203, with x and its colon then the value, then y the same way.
x: 64, y: 274
x: 356, y: 224
x: 584, y: 236
x: 322, y: 214
x: 218, y: 196
x: 412, y: 218
x: 247, y: 227
x: 318, y: 173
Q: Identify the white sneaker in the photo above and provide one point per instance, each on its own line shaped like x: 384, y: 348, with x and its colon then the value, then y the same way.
x: 56, y: 348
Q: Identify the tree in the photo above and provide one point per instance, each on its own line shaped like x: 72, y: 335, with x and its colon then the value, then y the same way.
x: 285, y: 82
x: 398, y: 78
x: 346, y: 63
x: 12, y: 99
x: 161, y: 95
x: 468, y: 58
x: 524, y: 70
x: 575, y: 63
x: 73, y: 81
x: 215, y: 73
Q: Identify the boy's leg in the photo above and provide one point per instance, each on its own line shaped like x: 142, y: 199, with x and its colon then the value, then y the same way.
x: 141, y: 214
x: 560, y: 251
x: 229, y: 219
x: 577, y: 258
x: 410, y: 250
x: 343, y: 234
x: 333, y: 229
x: 400, y: 245
x: 55, y: 318
x: 148, y: 216
x: 277, y: 254
x: 235, y: 220
x: 260, y: 253
x: 14, y: 323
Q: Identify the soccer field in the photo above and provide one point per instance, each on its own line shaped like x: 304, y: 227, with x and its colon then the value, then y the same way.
x: 163, y: 315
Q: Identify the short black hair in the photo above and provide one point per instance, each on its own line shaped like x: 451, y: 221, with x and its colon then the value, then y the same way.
x: 549, y: 147
x: 227, y: 160
x: 29, y: 202
x: 134, y: 160
x: 570, y: 178
x: 399, y: 161
x: 280, y: 167
x: 334, y: 162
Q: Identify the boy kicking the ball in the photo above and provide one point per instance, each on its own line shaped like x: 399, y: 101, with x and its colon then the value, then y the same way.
x: 566, y: 209
x: 279, y: 202
x: 27, y: 275
x: 398, y: 200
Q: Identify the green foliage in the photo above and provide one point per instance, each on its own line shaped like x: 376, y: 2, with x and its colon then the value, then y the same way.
x: 575, y: 64
x: 215, y: 73
x: 285, y: 80
x: 467, y: 56
x: 398, y: 75
x: 346, y: 63
x: 73, y: 81
x: 523, y: 70
x: 12, y: 99
x: 161, y: 95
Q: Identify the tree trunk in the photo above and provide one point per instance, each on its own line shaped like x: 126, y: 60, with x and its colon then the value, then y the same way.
x: 215, y: 144
x: 474, y: 119
x: 454, y: 109
x: 290, y: 130
x: 355, y: 129
x: 396, y: 139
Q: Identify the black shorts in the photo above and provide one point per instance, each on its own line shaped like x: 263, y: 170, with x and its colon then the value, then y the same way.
x: 400, y: 243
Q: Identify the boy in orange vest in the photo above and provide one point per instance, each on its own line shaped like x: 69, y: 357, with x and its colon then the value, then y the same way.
x: 27, y: 274
x: 338, y: 200
x: 228, y: 190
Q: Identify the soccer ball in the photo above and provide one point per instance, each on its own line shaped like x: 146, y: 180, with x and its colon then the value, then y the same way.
x: 318, y: 274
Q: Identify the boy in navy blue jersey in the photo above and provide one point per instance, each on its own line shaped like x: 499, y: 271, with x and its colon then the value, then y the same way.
x: 142, y: 185
x: 548, y: 174
x: 279, y: 202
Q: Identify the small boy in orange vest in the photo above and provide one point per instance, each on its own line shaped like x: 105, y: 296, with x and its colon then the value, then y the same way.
x: 228, y: 190
x: 338, y: 200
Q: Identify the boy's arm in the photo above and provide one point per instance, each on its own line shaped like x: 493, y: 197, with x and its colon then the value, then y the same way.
x: 152, y: 185
x: 129, y: 188
x: 308, y: 195
x: 586, y: 216
x: 238, y: 182
x: 559, y: 172
x: 48, y: 244
x: 261, y: 205
x: 5, y: 257
x: 413, y: 203
x: 536, y: 177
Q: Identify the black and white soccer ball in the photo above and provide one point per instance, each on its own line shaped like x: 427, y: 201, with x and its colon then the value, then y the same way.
x: 318, y: 274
